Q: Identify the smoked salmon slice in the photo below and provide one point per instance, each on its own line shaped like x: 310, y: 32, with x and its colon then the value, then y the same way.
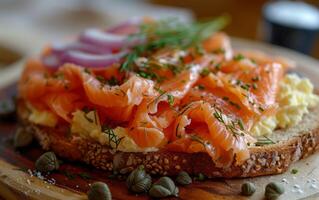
x: 223, y: 134
x: 202, y: 98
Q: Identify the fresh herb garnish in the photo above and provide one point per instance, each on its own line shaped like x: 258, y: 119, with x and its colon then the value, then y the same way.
x: 240, y: 124
x: 174, y: 69
x: 201, y: 87
x: 218, y: 66
x: 113, y: 81
x: 89, y: 119
x: 198, y: 139
x: 86, y: 70
x: 219, y: 51
x: 235, y: 105
x: 199, y: 49
x: 256, y: 79
x: 170, y: 33
x: 239, y: 57
x: 264, y: 141
x: 225, y: 98
x: 145, y: 74
x: 185, y: 108
x: 245, y: 86
x: 101, y: 79
x: 253, y: 61
x: 113, y: 138
x: 261, y: 109
x: 59, y: 76
x: 156, y: 99
x: 231, y: 102
x: 170, y: 99
x: 231, y: 126
x: 159, y: 90
x: 205, y: 72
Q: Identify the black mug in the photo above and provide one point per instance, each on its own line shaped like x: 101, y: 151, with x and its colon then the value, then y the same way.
x: 291, y: 24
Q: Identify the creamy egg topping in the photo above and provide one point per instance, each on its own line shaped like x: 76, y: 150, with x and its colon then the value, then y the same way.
x: 87, y: 125
x: 42, y: 117
x: 295, y: 98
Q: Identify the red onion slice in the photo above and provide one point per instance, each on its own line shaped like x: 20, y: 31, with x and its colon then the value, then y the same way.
x: 90, y: 60
x: 102, y: 39
x: 59, y: 48
x: 108, y: 40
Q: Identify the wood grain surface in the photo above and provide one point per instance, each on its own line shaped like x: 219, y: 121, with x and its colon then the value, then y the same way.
x: 17, y: 180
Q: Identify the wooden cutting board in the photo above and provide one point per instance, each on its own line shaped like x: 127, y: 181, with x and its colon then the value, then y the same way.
x: 73, y: 179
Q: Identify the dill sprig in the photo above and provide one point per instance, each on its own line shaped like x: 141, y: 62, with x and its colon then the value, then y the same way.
x: 162, y: 93
x: 158, y: 98
x: 170, y: 33
x: 264, y: 141
x: 185, y: 108
x: 87, y: 111
x: 170, y: 99
x: 198, y: 139
x: 113, y: 138
x: 235, y: 127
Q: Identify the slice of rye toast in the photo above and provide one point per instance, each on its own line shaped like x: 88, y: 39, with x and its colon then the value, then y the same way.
x: 293, y: 144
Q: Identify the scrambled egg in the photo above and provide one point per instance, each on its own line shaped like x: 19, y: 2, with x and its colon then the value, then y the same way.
x: 44, y: 118
x: 295, y: 98
x: 87, y: 125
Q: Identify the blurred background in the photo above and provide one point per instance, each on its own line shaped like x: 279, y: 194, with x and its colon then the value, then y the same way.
x: 26, y: 25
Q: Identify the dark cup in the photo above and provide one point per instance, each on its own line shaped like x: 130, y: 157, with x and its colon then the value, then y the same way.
x: 290, y: 28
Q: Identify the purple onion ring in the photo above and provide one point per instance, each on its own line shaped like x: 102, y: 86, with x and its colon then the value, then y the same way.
x: 59, y: 48
x: 90, y: 60
x: 102, y: 39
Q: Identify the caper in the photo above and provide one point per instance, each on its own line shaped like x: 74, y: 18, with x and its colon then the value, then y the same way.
x: 139, y: 181
x: 273, y: 190
x: 47, y: 162
x: 99, y: 191
x: 158, y: 191
x: 248, y: 189
x: 22, y: 138
x: 164, y: 187
x: 183, y: 178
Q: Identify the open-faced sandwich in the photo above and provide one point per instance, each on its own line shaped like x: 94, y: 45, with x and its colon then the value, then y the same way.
x: 170, y: 96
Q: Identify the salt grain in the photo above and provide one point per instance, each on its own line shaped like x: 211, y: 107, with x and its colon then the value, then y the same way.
x: 284, y: 181
x: 296, y: 186
x: 299, y: 191
x: 313, y: 186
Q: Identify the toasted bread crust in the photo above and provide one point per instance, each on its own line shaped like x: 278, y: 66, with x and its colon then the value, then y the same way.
x: 265, y: 160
